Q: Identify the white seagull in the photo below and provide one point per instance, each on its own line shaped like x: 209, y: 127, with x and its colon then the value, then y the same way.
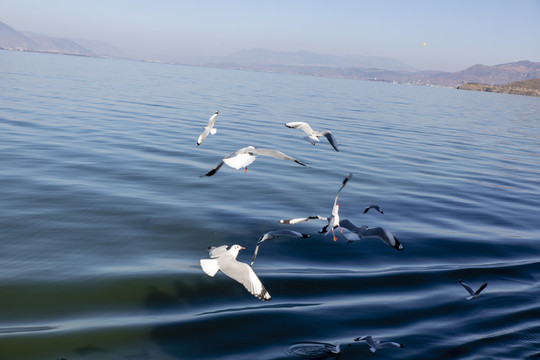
x: 375, y: 345
x: 243, y: 157
x: 333, y: 220
x: 473, y: 294
x: 225, y: 260
x: 208, y: 129
x: 274, y: 234
x: 359, y: 232
x: 313, y: 136
x: 376, y: 207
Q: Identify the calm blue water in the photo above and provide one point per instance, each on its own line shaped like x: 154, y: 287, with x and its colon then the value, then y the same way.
x: 104, y: 215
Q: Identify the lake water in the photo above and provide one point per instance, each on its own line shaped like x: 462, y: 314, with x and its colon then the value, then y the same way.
x: 104, y: 215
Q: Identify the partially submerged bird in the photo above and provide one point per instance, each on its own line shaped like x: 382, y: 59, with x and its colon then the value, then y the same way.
x: 208, y: 129
x: 333, y: 220
x: 225, y: 260
x: 243, y: 157
x: 356, y: 233
x: 473, y: 294
x: 313, y: 136
x: 274, y: 234
x: 376, y: 207
x: 375, y: 345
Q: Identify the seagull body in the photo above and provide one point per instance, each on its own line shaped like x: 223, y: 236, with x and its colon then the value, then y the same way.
x: 208, y: 129
x: 313, y: 136
x: 375, y: 345
x: 376, y: 207
x: 243, y: 157
x: 359, y: 232
x: 225, y: 260
x: 473, y: 294
x: 274, y: 234
x: 333, y: 220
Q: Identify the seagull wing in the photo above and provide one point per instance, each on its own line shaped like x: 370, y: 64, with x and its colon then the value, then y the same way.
x: 300, y: 125
x: 480, y: 289
x: 331, y: 139
x: 245, y: 275
x: 299, y: 220
x: 376, y: 207
x: 342, y: 186
x: 467, y: 287
x: 386, y: 236
x: 203, y: 136
x: 370, y: 342
x: 345, y: 223
x: 390, y: 344
x: 216, y: 252
x: 255, y: 253
x: 276, y: 154
x: 212, y: 120
x: 215, y: 169
x: 282, y: 232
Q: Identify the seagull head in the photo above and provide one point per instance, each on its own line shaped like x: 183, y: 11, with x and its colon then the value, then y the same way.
x: 235, y: 249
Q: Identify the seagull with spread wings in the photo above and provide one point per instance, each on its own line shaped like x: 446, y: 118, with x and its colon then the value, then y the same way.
x: 225, y: 260
x: 312, y: 135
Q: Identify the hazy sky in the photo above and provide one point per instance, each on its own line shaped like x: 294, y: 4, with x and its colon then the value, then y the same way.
x: 456, y: 33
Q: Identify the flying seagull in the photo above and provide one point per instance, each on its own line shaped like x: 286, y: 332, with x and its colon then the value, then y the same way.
x: 274, y: 234
x: 376, y: 207
x: 225, y: 260
x: 359, y: 232
x: 375, y: 345
x: 313, y: 136
x: 333, y: 220
x: 243, y: 157
x: 473, y: 294
x: 208, y: 129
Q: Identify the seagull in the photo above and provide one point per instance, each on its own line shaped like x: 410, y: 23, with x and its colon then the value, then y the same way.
x: 225, y: 260
x: 474, y: 294
x: 243, y: 157
x: 313, y: 136
x: 208, y: 129
x: 375, y: 345
x: 376, y: 207
x: 274, y: 234
x: 333, y: 220
x: 359, y: 232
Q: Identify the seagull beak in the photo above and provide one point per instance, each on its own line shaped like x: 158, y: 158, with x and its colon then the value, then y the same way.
x: 242, y: 248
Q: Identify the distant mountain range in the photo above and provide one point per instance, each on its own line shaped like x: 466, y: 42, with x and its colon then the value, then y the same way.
x: 299, y: 62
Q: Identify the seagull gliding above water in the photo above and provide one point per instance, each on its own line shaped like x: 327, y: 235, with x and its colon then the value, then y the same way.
x: 473, y: 294
x: 243, y: 157
x: 313, y: 136
x: 359, y: 232
x: 225, y: 260
x: 208, y: 129
x: 375, y: 345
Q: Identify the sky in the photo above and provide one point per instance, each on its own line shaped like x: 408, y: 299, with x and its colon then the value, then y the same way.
x: 427, y: 35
